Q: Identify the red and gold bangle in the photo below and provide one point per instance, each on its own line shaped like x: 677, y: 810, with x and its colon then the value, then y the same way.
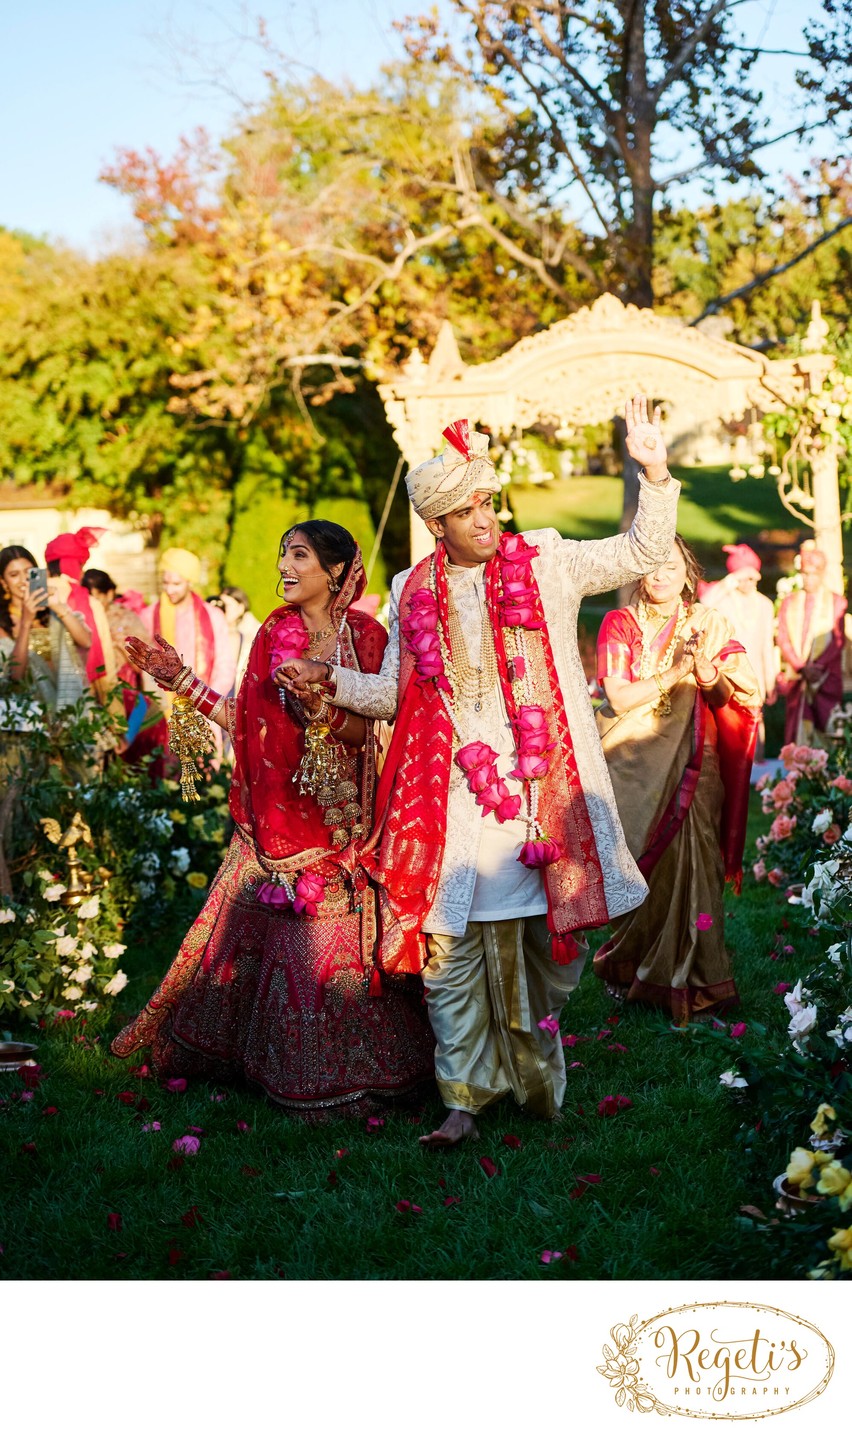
x: 710, y: 682
x: 338, y: 719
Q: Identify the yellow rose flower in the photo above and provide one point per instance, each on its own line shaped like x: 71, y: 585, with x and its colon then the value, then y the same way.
x: 800, y: 1168
x: 842, y: 1245
x: 196, y: 880
x: 834, y: 1178
x: 819, y: 1125
x: 845, y: 1198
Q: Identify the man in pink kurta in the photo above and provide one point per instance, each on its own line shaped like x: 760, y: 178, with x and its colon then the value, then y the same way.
x: 811, y: 639
x: 752, y: 616
x: 198, y: 631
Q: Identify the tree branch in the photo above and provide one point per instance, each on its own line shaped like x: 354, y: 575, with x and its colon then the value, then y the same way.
x: 689, y: 47
x: 766, y: 275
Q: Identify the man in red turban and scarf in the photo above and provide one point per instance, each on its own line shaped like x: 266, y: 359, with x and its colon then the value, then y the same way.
x: 68, y: 554
x: 811, y: 639
x: 497, y: 835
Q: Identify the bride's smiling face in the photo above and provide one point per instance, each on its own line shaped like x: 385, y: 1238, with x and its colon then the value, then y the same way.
x: 665, y: 584
x: 303, y: 578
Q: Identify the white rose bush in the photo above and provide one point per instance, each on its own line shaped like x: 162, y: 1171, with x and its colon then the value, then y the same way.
x: 62, y: 962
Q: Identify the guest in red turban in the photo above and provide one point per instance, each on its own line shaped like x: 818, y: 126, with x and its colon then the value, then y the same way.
x: 67, y: 554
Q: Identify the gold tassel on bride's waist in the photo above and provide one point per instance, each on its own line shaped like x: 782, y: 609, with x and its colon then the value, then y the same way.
x: 189, y: 740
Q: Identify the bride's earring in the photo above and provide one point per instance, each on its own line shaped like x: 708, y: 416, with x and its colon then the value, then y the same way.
x: 333, y: 585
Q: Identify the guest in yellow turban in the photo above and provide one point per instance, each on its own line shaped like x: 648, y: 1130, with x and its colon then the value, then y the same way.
x: 198, y: 631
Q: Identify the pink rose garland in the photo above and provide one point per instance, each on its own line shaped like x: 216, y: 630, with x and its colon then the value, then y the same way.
x: 421, y: 633
x: 478, y: 762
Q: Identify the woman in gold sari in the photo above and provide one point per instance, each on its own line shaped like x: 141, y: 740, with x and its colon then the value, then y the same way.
x: 678, y: 731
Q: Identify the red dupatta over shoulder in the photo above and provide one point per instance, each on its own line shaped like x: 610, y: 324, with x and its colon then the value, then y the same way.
x: 737, y: 721
x: 285, y: 826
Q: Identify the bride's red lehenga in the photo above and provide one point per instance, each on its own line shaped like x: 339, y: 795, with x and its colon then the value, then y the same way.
x: 258, y: 990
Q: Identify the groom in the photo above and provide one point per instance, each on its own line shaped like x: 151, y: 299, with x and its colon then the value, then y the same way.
x: 497, y: 835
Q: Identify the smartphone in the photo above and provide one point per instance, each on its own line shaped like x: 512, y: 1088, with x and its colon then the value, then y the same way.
x: 38, y: 580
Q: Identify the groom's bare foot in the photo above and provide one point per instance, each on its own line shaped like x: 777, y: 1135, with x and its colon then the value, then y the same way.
x: 457, y: 1127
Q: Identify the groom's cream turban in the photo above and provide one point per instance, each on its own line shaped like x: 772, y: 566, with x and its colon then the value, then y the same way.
x: 440, y: 485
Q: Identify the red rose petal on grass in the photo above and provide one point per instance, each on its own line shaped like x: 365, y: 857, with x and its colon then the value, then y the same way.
x: 571, y: 1255
x: 221, y: 1273
x: 512, y: 1141
x: 116, y: 1257
x: 141, y: 1071
x: 578, y: 1191
x: 617, y: 1048
x: 442, y: 1183
x: 703, y: 922
x: 737, y: 1030
x: 251, y: 1172
x: 374, y: 1124
x: 175, y: 1256
x: 654, y: 1172
x: 242, y: 1126
x: 192, y: 1217
x: 176, y: 1085
x: 610, y: 1105
x: 406, y: 1206
x: 31, y: 1074
x: 781, y: 988
x: 603, y: 1034
x: 50, y: 1111
x: 331, y: 1178
x: 588, y: 1178
x: 489, y: 1167
x: 450, y: 1199
x: 581, y: 1111
x: 177, y: 1162
x: 127, y: 1096
x: 28, y: 1148
x: 614, y: 1019
x: 341, y: 1153
x: 143, y: 1105
x: 194, y: 1129
x: 114, y: 1222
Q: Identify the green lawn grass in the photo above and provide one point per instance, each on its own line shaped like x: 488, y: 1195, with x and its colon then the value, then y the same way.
x: 712, y: 510
x: 283, y: 1201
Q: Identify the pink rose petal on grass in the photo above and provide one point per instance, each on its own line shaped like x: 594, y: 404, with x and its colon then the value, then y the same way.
x: 242, y: 1126
x: 551, y: 1255
x: 781, y: 988
x: 406, y: 1206
x: 176, y: 1085
x: 187, y: 1144
x: 114, y: 1222
x: 549, y: 1024
x: 221, y: 1273
x: 150, y: 1128
x: 704, y: 921
x: 512, y: 1141
x: 489, y: 1167
x: 737, y: 1030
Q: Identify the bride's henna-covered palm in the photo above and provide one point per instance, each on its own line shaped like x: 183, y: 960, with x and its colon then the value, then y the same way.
x: 163, y: 664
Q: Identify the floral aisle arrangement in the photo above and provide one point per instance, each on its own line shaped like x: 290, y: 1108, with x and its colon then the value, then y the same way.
x: 92, y: 848
x: 811, y: 808
x: 801, y: 1095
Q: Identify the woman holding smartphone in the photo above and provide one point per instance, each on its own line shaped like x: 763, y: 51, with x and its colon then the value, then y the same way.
x: 40, y: 634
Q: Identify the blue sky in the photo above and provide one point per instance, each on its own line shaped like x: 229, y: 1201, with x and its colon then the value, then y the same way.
x: 79, y: 78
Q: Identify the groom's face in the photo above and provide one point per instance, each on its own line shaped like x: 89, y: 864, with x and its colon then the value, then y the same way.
x: 471, y: 533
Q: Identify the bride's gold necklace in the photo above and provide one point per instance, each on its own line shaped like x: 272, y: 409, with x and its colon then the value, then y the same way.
x: 317, y: 637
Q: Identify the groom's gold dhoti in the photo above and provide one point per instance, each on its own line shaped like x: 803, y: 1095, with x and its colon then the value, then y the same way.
x: 487, y: 991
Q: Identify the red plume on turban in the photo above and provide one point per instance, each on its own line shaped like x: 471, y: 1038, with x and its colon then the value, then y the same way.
x: 458, y: 435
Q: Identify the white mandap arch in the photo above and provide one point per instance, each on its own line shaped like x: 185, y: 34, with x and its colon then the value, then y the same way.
x: 578, y: 372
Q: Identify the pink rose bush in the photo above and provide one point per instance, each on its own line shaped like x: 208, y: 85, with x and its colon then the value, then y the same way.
x: 810, y: 805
